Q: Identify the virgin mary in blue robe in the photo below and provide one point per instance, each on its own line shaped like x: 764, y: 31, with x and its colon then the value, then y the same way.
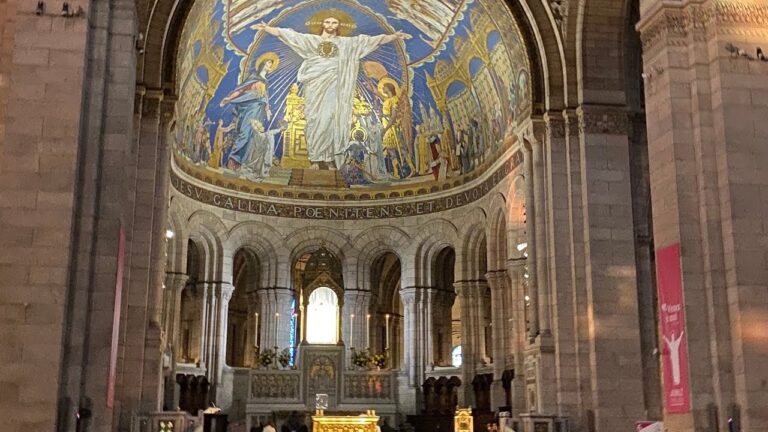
x: 251, y: 105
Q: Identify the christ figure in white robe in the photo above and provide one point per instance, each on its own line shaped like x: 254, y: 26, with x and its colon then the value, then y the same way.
x: 674, y: 353
x: 329, y: 76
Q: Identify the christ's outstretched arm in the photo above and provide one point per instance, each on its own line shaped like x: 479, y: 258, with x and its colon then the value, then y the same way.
x: 395, y: 36
x: 262, y: 26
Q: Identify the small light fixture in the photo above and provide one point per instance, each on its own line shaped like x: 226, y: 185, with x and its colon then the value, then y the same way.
x: 526, y: 275
x: 40, y: 9
x: 527, y: 298
x: 169, y: 234
x: 522, y: 246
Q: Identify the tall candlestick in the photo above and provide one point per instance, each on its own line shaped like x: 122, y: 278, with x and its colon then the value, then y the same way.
x: 386, y: 318
x: 368, y: 331
x: 351, y: 326
x: 277, y: 325
x: 256, y: 329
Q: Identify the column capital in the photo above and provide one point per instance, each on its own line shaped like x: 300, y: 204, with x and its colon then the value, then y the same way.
x: 603, y: 120
x: 497, y: 279
x: 176, y: 281
x: 409, y: 295
x: 517, y: 264
x: 555, y: 124
x: 225, y: 291
x: 470, y: 288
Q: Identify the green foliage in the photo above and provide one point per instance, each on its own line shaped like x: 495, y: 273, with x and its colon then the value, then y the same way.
x: 361, y: 358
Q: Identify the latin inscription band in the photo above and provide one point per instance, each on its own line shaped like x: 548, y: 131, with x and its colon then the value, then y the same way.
x: 380, y: 211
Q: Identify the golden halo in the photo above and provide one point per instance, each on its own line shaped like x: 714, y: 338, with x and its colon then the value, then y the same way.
x: 358, y: 129
x: 346, y: 22
x: 270, y: 55
x: 388, y: 80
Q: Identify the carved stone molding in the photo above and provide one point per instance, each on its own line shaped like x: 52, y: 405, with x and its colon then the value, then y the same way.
x: 674, y: 24
x: 669, y: 24
x: 730, y: 13
x: 368, y: 385
x: 571, y: 123
x: 275, y: 385
x: 603, y: 120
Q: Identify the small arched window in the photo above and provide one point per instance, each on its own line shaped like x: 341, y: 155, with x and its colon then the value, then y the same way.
x: 322, y: 316
x: 456, y: 356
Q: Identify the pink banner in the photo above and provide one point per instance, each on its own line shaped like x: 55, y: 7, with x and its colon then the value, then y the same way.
x: 112, y: 374
x: 672, y: 318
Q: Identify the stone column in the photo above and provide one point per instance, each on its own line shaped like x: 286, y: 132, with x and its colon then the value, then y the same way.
x: 355, y: 302
x: 207, y: 326
x: 409, y: 297
x: 443, y: 313
x: 428, y: 325
x: 223, y: 391
x: 539, y: 222
x: 483, y: 320
x: 409, y: 386
x: 517, y: 336
x: 174, y: 285
x: 563, y: 389
x: 253, y: 344
x: 225, y: 291
x: 469, y: 343
x: 577, y: 252
x: 275, y: 300
x: 707, y: 129
x: 498, y: 282
x: 530, y: 227
x: 611, y: 285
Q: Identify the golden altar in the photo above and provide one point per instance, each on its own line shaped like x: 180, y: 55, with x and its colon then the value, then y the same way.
x: 361, y: 423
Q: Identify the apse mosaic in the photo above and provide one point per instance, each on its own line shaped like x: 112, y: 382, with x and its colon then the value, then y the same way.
x: 347, y: 94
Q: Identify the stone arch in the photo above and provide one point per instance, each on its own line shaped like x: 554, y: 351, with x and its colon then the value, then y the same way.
x: 431, y: 238
x: 516, y: 216
x: 497, y: 233
x: 310, y: 238
x: 545, y: 53
x: 370, y: 244
x: 209, y: 233
x: 176, y: 250
x: 267, y: 244
x: 162, y: 30
x: 471, y: 256
x: 162, y: 21
x: 600, y: 42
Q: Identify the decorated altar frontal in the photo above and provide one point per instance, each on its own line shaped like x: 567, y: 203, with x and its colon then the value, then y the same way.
x: 329, y: 423
x: 321, y: 369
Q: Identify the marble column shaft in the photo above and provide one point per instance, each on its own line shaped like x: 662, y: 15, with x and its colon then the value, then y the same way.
x: 517, y: 336
x: 530, y: 216
x: 275, y: 300
x: 540, y: 222
x: 174, y: 285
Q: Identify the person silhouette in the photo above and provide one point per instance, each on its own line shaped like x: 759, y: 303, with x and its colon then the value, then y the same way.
x: 674, y: 352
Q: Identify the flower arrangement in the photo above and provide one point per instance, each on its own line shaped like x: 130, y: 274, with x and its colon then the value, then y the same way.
x: 379, y: 360
x: 284, y: 358
x: 361, y: 358
x: 267, y: 357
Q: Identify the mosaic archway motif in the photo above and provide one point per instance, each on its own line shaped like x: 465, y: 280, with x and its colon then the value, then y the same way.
x: 346, y: 93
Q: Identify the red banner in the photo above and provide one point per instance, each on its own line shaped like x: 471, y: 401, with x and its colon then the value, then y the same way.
x: 672, y: 318
x: 112, y: 374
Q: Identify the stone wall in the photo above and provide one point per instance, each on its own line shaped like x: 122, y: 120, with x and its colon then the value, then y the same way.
x: 41, y: 81
x: 705, y: 91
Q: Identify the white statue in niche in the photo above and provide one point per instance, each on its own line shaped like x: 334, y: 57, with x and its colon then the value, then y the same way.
x: 322, y: 322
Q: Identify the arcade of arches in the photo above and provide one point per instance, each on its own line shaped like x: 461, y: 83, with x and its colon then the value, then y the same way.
x: 551, y: 208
